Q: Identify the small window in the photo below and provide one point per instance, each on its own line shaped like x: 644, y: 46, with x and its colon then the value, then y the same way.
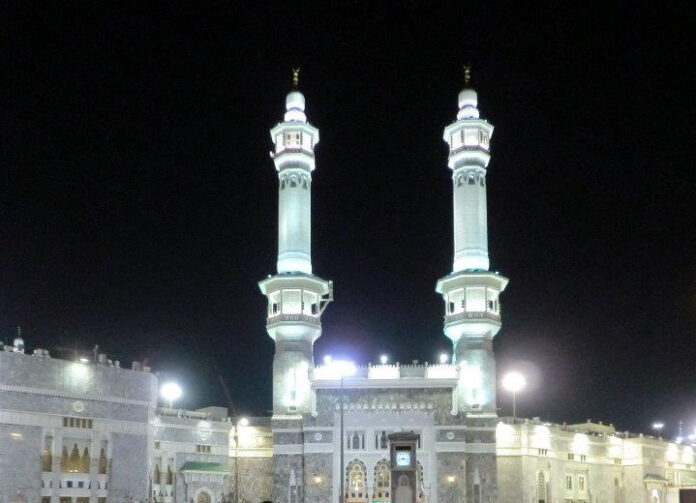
x: 471, y: 180
x: 583, y: 458
x: 571, y: 457
x: 569, y: 482
x: 157, y: 445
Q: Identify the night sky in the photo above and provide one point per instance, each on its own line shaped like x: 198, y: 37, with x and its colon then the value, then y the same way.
x: 138, y: 199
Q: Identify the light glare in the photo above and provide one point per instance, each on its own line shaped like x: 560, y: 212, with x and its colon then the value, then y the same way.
x: 383, y: 359
x: 171, y: 392
x: 514, y: 382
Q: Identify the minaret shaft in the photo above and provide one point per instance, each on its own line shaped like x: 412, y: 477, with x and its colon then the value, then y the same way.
x: 470, y: 292
x: 296, y: 298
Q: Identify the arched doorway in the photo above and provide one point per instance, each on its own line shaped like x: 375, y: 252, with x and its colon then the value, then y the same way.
x: 203, y: 497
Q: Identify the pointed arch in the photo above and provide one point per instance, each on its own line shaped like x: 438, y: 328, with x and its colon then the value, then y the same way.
x: 382, y: 483
x: 356, y: 482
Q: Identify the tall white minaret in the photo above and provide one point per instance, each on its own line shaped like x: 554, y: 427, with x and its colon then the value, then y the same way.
x: 470, y: 292
x: 296, y: 298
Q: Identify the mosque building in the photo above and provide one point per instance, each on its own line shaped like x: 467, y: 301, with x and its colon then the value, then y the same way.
x: 92, y: 432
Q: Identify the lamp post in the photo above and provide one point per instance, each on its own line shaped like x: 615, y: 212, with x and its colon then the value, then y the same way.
x: 657, y: 426
x: 514, y: 382
x: 344, y: 368
x: 171, y: 392
x: 240, y: 422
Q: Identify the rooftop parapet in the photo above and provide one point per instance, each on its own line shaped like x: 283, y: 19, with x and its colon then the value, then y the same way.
x: 394, y: 372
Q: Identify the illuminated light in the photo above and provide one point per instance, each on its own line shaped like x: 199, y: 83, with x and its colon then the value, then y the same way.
x: 327, y: 359
x: 336, y: 369
x: 444, y: 358
x: 316, y: 478
x: 514, y: 382
x: 580, y: 444
x: 383, y: 359
x: 451, y: 479
x: 79, y: 370
x: 171, y: 392
x: 542, y: 437
x: 16, y: 436
x: 504, y: 435
x: 243, y: 422
x: 84, y: 359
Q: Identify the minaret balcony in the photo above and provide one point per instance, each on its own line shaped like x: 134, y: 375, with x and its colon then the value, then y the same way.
x: 302, y: 318
x: 475, y: 315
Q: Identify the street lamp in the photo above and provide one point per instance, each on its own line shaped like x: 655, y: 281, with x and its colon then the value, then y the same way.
x: 514, y: 382
x: 383, y: 359
x: 657, y: 426
x: 343, y: 368
x: 171, y: 392
x: 444, y: 358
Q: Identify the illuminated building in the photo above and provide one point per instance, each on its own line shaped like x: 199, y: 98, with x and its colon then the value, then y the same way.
x: 91, y: 432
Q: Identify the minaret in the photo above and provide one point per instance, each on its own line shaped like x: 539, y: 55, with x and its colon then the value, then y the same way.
x: 470, y: 292
x: 296, y: 298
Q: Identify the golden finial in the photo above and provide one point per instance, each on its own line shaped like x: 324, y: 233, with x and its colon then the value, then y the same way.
x: 295, y: 77
x: 467, y: 74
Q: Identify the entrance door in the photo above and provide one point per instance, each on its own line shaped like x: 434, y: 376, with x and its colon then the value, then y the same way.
x: 203, y: 497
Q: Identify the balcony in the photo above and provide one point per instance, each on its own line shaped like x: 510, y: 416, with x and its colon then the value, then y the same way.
x: 304, y: 318
x: 473, y: 316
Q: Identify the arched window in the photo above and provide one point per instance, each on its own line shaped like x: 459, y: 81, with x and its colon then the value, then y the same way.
x: 203, y: 497
x: 356, y: 482
x: 84, y: 461
x: 47, y: 455
x: 102, y: 462
x: 542, y: 488
x: 74, y: 460
x: 382, y: 481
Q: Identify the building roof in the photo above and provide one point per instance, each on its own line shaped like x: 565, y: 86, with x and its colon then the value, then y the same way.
x: 201, y: 466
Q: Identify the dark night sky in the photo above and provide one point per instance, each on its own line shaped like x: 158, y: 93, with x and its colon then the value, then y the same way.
x: 138, y: 201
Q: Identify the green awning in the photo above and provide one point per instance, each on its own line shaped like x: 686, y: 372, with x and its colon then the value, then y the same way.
x: 203, y: 467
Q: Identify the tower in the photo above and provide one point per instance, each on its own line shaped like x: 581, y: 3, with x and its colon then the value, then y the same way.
x: 296, y: 298
x: 470, y: 292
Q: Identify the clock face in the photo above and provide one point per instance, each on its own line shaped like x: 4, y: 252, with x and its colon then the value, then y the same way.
x: 403, y: 458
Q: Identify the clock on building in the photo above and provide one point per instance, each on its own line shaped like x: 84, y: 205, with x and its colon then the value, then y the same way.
x: 403, y: 457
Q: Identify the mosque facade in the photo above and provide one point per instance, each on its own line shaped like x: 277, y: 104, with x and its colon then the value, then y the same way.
x: 92, y: 432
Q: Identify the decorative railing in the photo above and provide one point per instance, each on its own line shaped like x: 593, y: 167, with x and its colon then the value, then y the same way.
x: 476, y: 315
x: 293, y: 317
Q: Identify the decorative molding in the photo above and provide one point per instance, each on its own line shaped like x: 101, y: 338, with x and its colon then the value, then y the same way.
x: 287, y: 449
x: 478, y: 448
x: 44, y: 420
x: 95, y: 397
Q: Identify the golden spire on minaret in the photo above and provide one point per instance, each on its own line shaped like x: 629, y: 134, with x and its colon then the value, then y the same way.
x: 295, y: 77
x: 467, y: 74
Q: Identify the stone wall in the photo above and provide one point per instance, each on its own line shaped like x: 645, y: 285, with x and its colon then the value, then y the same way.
x: 20, y: 468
